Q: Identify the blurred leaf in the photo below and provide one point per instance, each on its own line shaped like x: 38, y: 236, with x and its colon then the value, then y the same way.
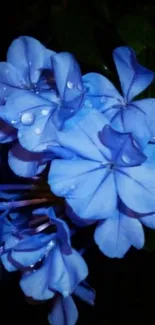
x: 137, y: 32
x: 75, y: 33
x: 149, y: 240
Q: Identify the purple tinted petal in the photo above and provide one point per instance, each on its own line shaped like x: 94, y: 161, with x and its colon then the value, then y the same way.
x: 86, y: 293
x: 136, y: 187
x: 124, y: 151
x: 115, y: 235
x: 134, y: 78
x: 148, y: 220
x: 25, y: 163
x: 64, y: 312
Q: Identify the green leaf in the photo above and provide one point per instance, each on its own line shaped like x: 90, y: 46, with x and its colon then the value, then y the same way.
x: 137, y: 32
x: 75, y: 33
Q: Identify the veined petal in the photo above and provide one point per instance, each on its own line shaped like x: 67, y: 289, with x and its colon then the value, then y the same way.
x: 10, y: 80
x: 67, y: 271
x: 116, y: 234
x: 32, y: 57
x: 64, y: 312
x: 148, y: 107
x: 134, y: 78
x: 136, y: 187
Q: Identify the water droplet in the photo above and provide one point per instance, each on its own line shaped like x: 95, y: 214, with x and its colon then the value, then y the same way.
x: 14, y: 121
x: 38, y: 131
x: 27, y: 118
x: 4, y: 88
x: 105, y: 67
x: 102, y: 100
x: 37, y: 92
x: 45, y: 112
x: 71, y: 110
x: 88, y: 103
x: 7, y: 71
x: 32, y: 265
x: 19, y: 135
x: 70, y: 85
x: 125, y: 159
x: 80, y: 87
x: 136, y: 143
x: 153, y: 138
x: 73, y: 187
x: 30, y: 63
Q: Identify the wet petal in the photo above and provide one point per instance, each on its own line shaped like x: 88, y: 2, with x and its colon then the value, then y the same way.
x: 134, y: 78
x: 85, y: 293
x: 7, y: 132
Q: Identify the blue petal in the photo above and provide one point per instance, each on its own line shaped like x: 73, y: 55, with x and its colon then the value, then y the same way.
x: 30, y: 250
x: 148, y: 221
x: 67, y: 271
x: 83, y: 183
x: 124, y: 151
x: 25, y: 163
x: 10, y: 80
x: 136, y: 187
x: 67, y: 76
x: 83, y: 138
x: 116, y: 234
x: 35, y: 284
x: 32, y: 57
x: 86, y: 293
x: 64, y: 312
x: 63, y: 233
x: 134, y: 78
x: 6, y: 259
x: 40, y: 132
x: 7, y: 132
x: 101, y: 93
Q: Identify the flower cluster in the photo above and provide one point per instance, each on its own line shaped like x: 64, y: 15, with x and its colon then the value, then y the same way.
x: 93, y: 146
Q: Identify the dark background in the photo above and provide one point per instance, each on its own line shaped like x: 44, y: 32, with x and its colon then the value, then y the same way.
x: 90, y: 30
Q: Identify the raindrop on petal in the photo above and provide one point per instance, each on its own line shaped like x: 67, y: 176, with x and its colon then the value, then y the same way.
x: 32, y: 265
x: 27, y: 118
x: 88, y: 103
x: 7, y: 71
x: 102, y: 100
x: 45, y: 112
x: 4, y: 88
x: 70, y: 85
x: 79, y: 86
x: 125, y: 159
x: 14, y: 121
x: 38, y: 131
x: 30, y: 63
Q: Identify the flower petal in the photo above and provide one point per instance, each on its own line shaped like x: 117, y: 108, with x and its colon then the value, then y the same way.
x: 116, y: 234
x: 134, y: 78
x: 32, y: 57
x: 67, y: 271
x: 124, y: 151
x: 64, y: 312
x: 10, y: 80
x: 7, y: 132
x: 25, y: 163
x: 136, y: 187
x: 148, y: 221
x: 85, y: 293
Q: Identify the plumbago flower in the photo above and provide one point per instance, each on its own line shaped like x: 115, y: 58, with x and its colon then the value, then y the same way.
x: 122, y: 111
x: 53, y: 251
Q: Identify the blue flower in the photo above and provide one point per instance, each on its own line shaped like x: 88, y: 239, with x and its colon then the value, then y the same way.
x: 64, y: 310
x: 54, y: 252
x: 108, y: 165
x: 122, y: 112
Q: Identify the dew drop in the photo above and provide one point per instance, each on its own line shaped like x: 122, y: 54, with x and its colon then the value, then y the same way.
x: 88, y: 103
x: 37, y: 92
x: 7, y: 71
x: 27, y: 118
x: 30, y: 63
x: 45, y: 112
x: 4, y: 88
x: 19, y: 135
x: 73, y: 187
x: 14, y: 121
x: 79, y: 86
x: 125, y: 159
x: 153, y: 138
x: 70, y: 85
x: 32, y: 265
x: 102, y: 100
x: 38, y: 131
